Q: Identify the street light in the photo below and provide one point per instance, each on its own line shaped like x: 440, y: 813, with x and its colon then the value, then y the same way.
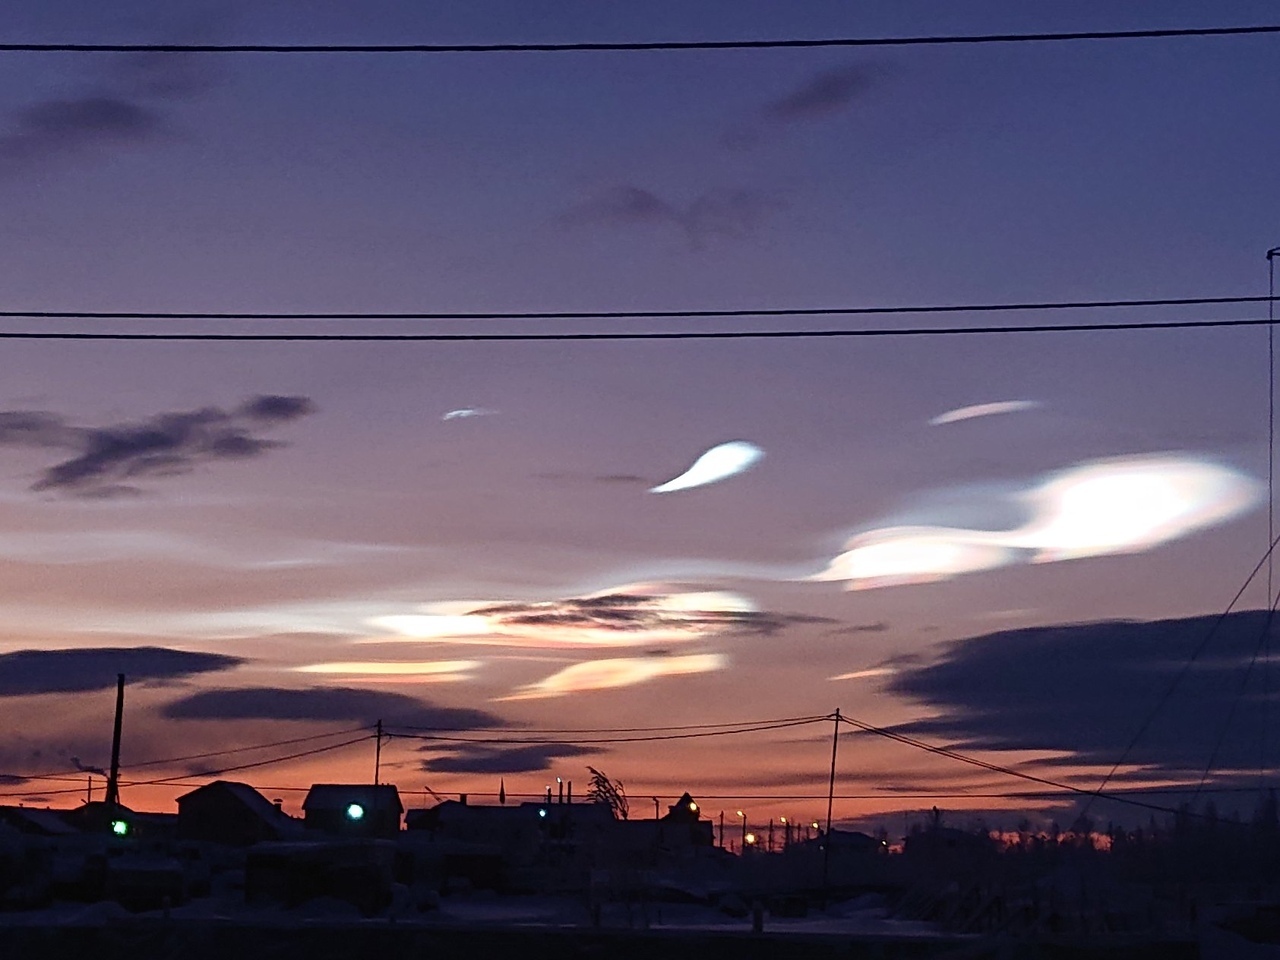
x: 743, y: 817
x: 750, y: 839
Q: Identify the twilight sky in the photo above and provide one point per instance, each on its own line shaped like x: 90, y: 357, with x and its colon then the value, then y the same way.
x: 278, y: 540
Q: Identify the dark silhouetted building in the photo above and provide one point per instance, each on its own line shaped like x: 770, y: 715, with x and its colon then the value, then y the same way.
x: 353, y: 810
x: 234, y: 814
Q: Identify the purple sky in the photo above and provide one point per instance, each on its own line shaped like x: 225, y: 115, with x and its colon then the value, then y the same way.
x: 145, y: 501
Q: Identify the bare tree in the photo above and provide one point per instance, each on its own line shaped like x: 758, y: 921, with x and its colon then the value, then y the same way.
x: 609, y: 792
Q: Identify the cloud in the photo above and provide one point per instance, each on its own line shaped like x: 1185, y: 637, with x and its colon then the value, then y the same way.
x: 637, y: 615
x: 1083, y: 689
x: 719, y: 463
x: 621, y: 672
x: 325, y: 703
x: 983, y: 410
x: 398, y: 671
x: 127, y: 102
x: 106, y: 458
x: 825, y: 93
x: 492, y: 759
x: 467, y: 413
x: 1092, y: 509
x: 27, y: 672
x: 717, y: 214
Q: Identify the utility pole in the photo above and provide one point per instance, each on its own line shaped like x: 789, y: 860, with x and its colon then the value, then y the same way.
x: 721, y: 829
x: 831, y: 795
x: 113, y: 781
x: 377, y: 756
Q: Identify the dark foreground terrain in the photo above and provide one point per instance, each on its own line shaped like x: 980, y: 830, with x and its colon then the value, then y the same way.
x: 204, y: 940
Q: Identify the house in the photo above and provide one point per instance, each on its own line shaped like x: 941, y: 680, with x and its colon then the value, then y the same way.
x: 35, y: 822
x: 353, y: 809
x: 233, y: 814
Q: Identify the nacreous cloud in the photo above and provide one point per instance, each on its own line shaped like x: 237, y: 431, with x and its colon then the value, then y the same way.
x: 623, y: 672
x: 1122, y: 505
x: 636, y: 615
x: 718, y: 463
x: 983, y: 410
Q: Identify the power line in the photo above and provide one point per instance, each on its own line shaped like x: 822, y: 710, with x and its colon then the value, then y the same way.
x: 248, y: 749
x: 1186, y: 667
x: 1066, y: 788
x: 595, y: 730
x: 1033, y: 305
x: 619, y: 46
x: 541, y: 741
x: 255, y: 764
x: 638, y: 335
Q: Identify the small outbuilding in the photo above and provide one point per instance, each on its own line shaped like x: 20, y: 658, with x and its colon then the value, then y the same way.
x: 353, y: 809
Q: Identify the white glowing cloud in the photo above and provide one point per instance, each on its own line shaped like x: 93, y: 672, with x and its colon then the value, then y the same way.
x: 718, y: 463
x: 1122, y: 505
x: 983, y: 410
x: 622, y: 672
x: 630, y: 616
x: 1129, y: 505
x: 465, y: 413
x: 865, y: 674
x: 422, y: 670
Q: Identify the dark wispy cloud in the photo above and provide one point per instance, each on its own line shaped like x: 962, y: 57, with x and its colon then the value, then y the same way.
x: 638, y: 612
x: 26, y: 672
x: 529, y: 758
x: 326, y: 703
x: 1085, y: 688
x: 108, y: 459
x: 718, y: 214
x: 826, y: 93
x: 130, y: 100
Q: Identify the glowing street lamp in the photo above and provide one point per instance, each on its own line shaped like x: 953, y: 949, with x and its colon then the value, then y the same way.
x: 750, y: 839
x: 743, y: 817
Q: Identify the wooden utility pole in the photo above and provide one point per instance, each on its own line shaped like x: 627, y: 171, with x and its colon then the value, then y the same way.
x: 113, y: 781
x: 377, y: 757
x: 831, y: 796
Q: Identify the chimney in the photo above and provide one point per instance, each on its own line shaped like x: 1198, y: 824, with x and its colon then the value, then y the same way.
x: 462, y: 799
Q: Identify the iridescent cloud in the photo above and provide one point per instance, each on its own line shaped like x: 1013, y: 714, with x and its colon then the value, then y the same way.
x: 635, y: 615
x: 1121, y: 505
x: 983, y: 410
x: 466, y: 413
x: 718, y: 463
x: 415, y: 671
x: 622, y: 672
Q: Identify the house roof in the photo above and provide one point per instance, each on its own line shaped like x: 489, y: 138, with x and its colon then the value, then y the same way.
x: 336, y: 796
x: 29, y: 820
x: 255, y: 802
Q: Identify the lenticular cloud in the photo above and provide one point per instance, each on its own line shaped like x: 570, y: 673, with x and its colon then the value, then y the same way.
x: 718, y: 463
x: 1093, y: 509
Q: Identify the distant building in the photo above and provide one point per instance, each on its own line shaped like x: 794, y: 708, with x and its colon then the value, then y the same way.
x: 36, y: 822
x: 353, y: 810
x: 234, y: 814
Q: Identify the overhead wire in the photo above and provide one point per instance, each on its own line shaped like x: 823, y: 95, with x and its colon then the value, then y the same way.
x: 811, y: 333
x: 883, y: 309
x: 580, y: 741
x: 653, y: 45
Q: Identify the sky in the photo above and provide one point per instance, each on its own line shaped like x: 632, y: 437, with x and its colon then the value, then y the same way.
x: 1007, y: 544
